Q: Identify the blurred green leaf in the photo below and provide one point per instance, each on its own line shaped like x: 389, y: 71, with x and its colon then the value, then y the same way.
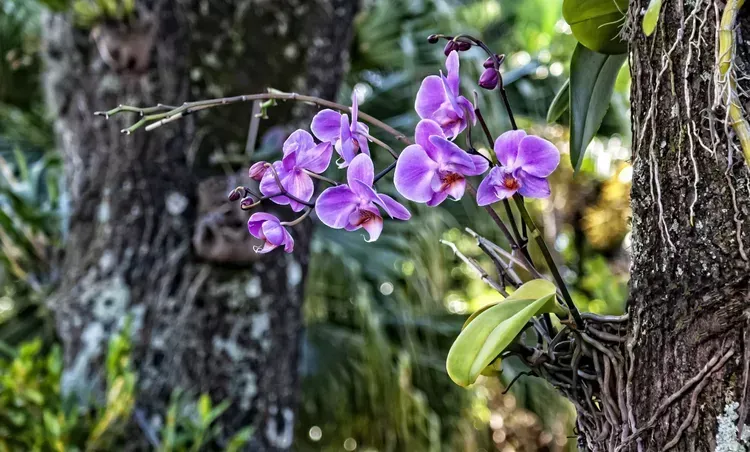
x: 560, y: 103
x: 592, y: 79
x: 596, y: 23
x: 651, y: 17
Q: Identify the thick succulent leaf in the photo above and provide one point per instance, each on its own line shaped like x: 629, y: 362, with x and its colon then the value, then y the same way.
x: 487, y: 334
x: 651, y: 18
x: 560, y: 103
x: 596, y: 23
x: 592, y: 80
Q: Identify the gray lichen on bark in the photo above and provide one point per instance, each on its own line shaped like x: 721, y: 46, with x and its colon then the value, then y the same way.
x: 202, y: 321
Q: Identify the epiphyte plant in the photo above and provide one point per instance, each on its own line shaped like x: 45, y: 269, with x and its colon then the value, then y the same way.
x: 571, y: 347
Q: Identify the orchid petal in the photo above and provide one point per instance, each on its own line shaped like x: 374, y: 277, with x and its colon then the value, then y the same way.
x: 289, y: 162
x: 325, y: 125
x: 270, y: 187
x: 452, y: 66
x: 414, y: 171
x: 449, y: 121
x: 273, y: 232
x: 335, y: 205
x: 533, y: 186
x: 537, y: 156
x: 373, y: 226
x: 425, y: 129
x: 430, y: 97
x: 362, y: 169
x: 437, y: 198
x: 450, y: 153
x: 467, y: 107
x: 267, y: 248
x: 396, y: 209
x: 317, y: 158
x: 298, y: 141
x: 299, y: 185
x: 506, y: 147
x: 456, y: 188
x: 451, y: 95
x: 288, y: 242
x: 363, y: 191
x: 481, y: 165
x: 348, y: 152
x: 255, y: 223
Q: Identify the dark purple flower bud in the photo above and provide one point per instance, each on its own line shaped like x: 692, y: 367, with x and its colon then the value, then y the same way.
x: 236, y: 194
x: 432, y: 39
x: 458, y: 46
x: 247, y: 203
x: 490, y: 62
x: 257, y: 171
x: 489, y: 78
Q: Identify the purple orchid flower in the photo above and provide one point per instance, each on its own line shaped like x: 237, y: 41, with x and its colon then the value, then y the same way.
x: 268, y: 228
x: 347, y: 138
x: 527, y: 161
x: 438, y: 99
x: 435, y: 168
x: 300, y: 154
x: 355, y: 205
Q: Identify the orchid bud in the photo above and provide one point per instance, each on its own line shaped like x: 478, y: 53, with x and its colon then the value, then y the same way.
x: 490, y: 62
x: 432, y: 39
x: 236, y: 194
x: 489, y: 79
x: 257, y: 171
x: 247, y: 203
x: 458, y: 46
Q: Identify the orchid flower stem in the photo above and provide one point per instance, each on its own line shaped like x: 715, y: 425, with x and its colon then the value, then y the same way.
x: 381, y: 174
x: 548, y: 259
x: 320, y: 177
x: 383, y: 145
x: 299, y: 220
x: 284, y: 192
x: 152, y: 119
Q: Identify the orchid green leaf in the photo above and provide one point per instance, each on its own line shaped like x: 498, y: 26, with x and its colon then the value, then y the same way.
x: 592, y: 81
x: 596, y: 23
x: 489, y: 333
x: 560, y: 103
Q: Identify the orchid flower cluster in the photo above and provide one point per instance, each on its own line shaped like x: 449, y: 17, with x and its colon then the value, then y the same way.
x: 431, y: 170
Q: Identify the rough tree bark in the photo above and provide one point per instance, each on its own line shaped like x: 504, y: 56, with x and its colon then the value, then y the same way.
x: 150, y: 236
x: 690, y: 285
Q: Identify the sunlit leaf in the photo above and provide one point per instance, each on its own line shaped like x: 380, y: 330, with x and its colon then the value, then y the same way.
x: 651, y: 17
x: 560, y: 103
x: 592, y: 79
x: 596, y: 23
x: 490, y: 332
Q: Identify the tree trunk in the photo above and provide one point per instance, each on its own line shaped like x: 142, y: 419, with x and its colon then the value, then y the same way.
x: 690, y: 285
x: 150, y: 235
